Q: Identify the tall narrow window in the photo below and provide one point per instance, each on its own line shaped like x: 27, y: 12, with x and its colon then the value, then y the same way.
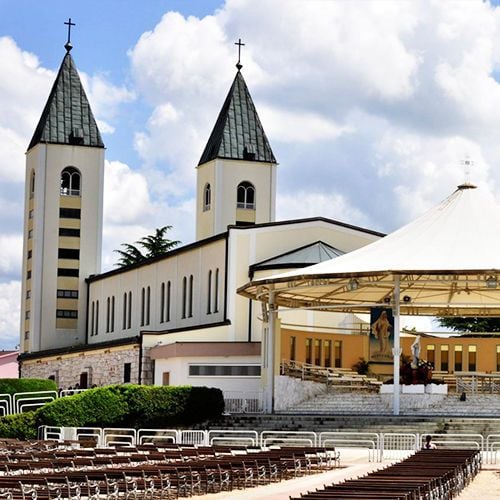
x: 108, y: 314
x: 292, y: 348
x: 207, y: 197
x: 97, y: 317
x: 308, y: 351
x: 169, y: 295
x: 190, y: 309
x: 162, y: 303
x: 184, y: 296
x: 317, y: 352
x: 112, y: 327
x: 472, y: 358
x: 327, y: 353
x: 245, y: 196
x: 70, y: 182
x: 209, y: 292
x: 445, y: 358
x: 458, y: 358
x: 32, y: 184
x: 498, y: 358
x: 124, y: 326
x: 431, y: 358
x: 216, y: 291
x: 129, y: 318
x: 92, y: 319
x: 143, y: 305
x: 127, y: 370
x: 148, y: 305
x: 337, y: 354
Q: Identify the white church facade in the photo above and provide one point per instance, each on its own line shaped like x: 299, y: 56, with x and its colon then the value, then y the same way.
x: 173, y: 319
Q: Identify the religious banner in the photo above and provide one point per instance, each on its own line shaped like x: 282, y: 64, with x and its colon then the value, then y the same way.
x: 381, y: 335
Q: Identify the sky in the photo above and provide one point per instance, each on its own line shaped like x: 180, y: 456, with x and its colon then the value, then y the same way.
x: 371, y: 107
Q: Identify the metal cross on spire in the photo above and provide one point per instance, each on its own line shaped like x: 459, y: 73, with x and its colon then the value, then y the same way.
x: 239, y: 44
x: 468, y: 164
x: 68, y: 45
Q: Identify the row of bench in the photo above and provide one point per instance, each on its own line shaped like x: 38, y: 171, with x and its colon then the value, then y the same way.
x: 428, y: 474
x: 37, y: 471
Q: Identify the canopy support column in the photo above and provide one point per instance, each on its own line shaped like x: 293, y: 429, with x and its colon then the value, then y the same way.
x: 396, y: 351
x: 270, y: 358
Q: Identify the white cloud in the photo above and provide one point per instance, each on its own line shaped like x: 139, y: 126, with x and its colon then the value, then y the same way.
x: 10, y: 257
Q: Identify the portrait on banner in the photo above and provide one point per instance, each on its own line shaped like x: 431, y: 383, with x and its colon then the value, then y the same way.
x: 381, y: 334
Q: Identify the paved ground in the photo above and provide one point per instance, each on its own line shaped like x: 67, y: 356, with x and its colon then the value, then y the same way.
x: 486, y: 485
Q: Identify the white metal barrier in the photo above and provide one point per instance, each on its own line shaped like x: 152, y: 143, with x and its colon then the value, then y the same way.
x: 398, y: 445
x: 290, y: 438
x: 492, y: 448
x: 145, y: 436
x: 23, y: 400
x: 475, y: 441
x: 340, y: 439
x: 5, y: 404
x: 243, y: 437
x: 193, y: 437
x: 113, y: 436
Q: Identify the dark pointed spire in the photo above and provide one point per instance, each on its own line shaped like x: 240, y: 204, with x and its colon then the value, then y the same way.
x: 238, y: 133
x: 67, y: 117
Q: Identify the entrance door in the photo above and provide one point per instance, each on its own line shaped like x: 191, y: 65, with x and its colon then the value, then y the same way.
x: 166, y: 378
x: 84, y: 380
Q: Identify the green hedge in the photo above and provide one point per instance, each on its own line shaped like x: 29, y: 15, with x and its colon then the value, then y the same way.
x: 134, y: 406
x: 13, y: 385
x: 21, y: 426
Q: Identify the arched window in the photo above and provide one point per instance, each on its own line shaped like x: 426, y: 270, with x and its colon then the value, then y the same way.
x: 184, y: 296
x: 143, y: 300
x: 246, y: 196
x: 169, y: 292
x: 124, y: 326
x: 129, y: 318
x: 209, y: 293
x: 216, y: 293
x: 162, y: 303
x: 190, y: 310
x: 70, y: 182
x: 207, y: 197
x: 148, y: 305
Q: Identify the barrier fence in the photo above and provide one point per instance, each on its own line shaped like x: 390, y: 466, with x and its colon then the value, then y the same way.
x: 378, y: 446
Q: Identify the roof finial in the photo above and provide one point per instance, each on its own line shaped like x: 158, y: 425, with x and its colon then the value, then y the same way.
x: 467, y: 164
x: 239, y: 44
x: 68, y: 45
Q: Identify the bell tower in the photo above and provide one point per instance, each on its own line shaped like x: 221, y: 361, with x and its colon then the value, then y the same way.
x: 62, y: 216
x: 236, y: 175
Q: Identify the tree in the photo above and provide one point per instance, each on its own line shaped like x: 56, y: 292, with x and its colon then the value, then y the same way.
x: 152, y: 245
x: 471, y: 324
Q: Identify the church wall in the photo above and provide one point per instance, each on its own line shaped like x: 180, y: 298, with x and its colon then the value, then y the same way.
x: 205, y: 218
x: 178, y: 370
x: 104, y: 367
x: 195, y: 262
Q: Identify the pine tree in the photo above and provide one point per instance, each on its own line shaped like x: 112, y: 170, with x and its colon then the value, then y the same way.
x: 152, y: 245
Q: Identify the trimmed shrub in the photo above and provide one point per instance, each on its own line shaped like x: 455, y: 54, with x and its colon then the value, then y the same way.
x: 13, y: 385
x: 99, y: 407
x: 20, y: 426
x: 204, y: 403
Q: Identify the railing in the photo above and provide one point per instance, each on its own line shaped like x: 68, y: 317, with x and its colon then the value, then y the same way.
x: 473, y: 383
x: 380, y: 446
x: 243, y: 402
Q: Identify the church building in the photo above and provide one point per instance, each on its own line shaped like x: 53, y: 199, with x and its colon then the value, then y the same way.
x: 173, y: 319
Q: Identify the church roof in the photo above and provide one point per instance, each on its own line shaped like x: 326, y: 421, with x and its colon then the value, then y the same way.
x: 67, y: 117
x: 238, y: 133
x: 307, y: 255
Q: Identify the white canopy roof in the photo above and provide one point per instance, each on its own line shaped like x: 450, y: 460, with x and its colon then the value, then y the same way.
x: 447, y: 260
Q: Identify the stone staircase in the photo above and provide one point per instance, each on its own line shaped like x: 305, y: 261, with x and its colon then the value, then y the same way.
x: 356, y: 403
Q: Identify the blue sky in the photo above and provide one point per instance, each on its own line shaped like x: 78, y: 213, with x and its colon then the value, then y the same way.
x: 370, y: 106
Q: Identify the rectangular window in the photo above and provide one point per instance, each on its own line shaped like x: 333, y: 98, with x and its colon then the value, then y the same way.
x: 30, y: 254
x: 27, y: 315
x: 338, y: 353
x: 69, y: 231
x: 458, y: 358
x: 327, y: 352
x: 30, y: 214
x: 64, y: 313
x: 30, y: 234
x: 69, y: 213
x: 317, y: 352
x: 67, y: 294
x: 308, y: 351
x: 68, y: 253
x: 292, y: 348
x: 127, y: 370
x: 28, y: 294
x: 26, y: 335
x: 28, y: 275
x: 431, y: 358
x: 472, y: 358
x: 63, y: 271
x: 224, y: 370
x: 445, y: 363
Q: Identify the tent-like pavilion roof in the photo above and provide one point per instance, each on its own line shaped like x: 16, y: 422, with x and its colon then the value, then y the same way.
x: 447, y: 262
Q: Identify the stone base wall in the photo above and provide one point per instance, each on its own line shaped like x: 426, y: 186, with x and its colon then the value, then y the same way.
x: 103, y: 367
x: 290, y: 391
